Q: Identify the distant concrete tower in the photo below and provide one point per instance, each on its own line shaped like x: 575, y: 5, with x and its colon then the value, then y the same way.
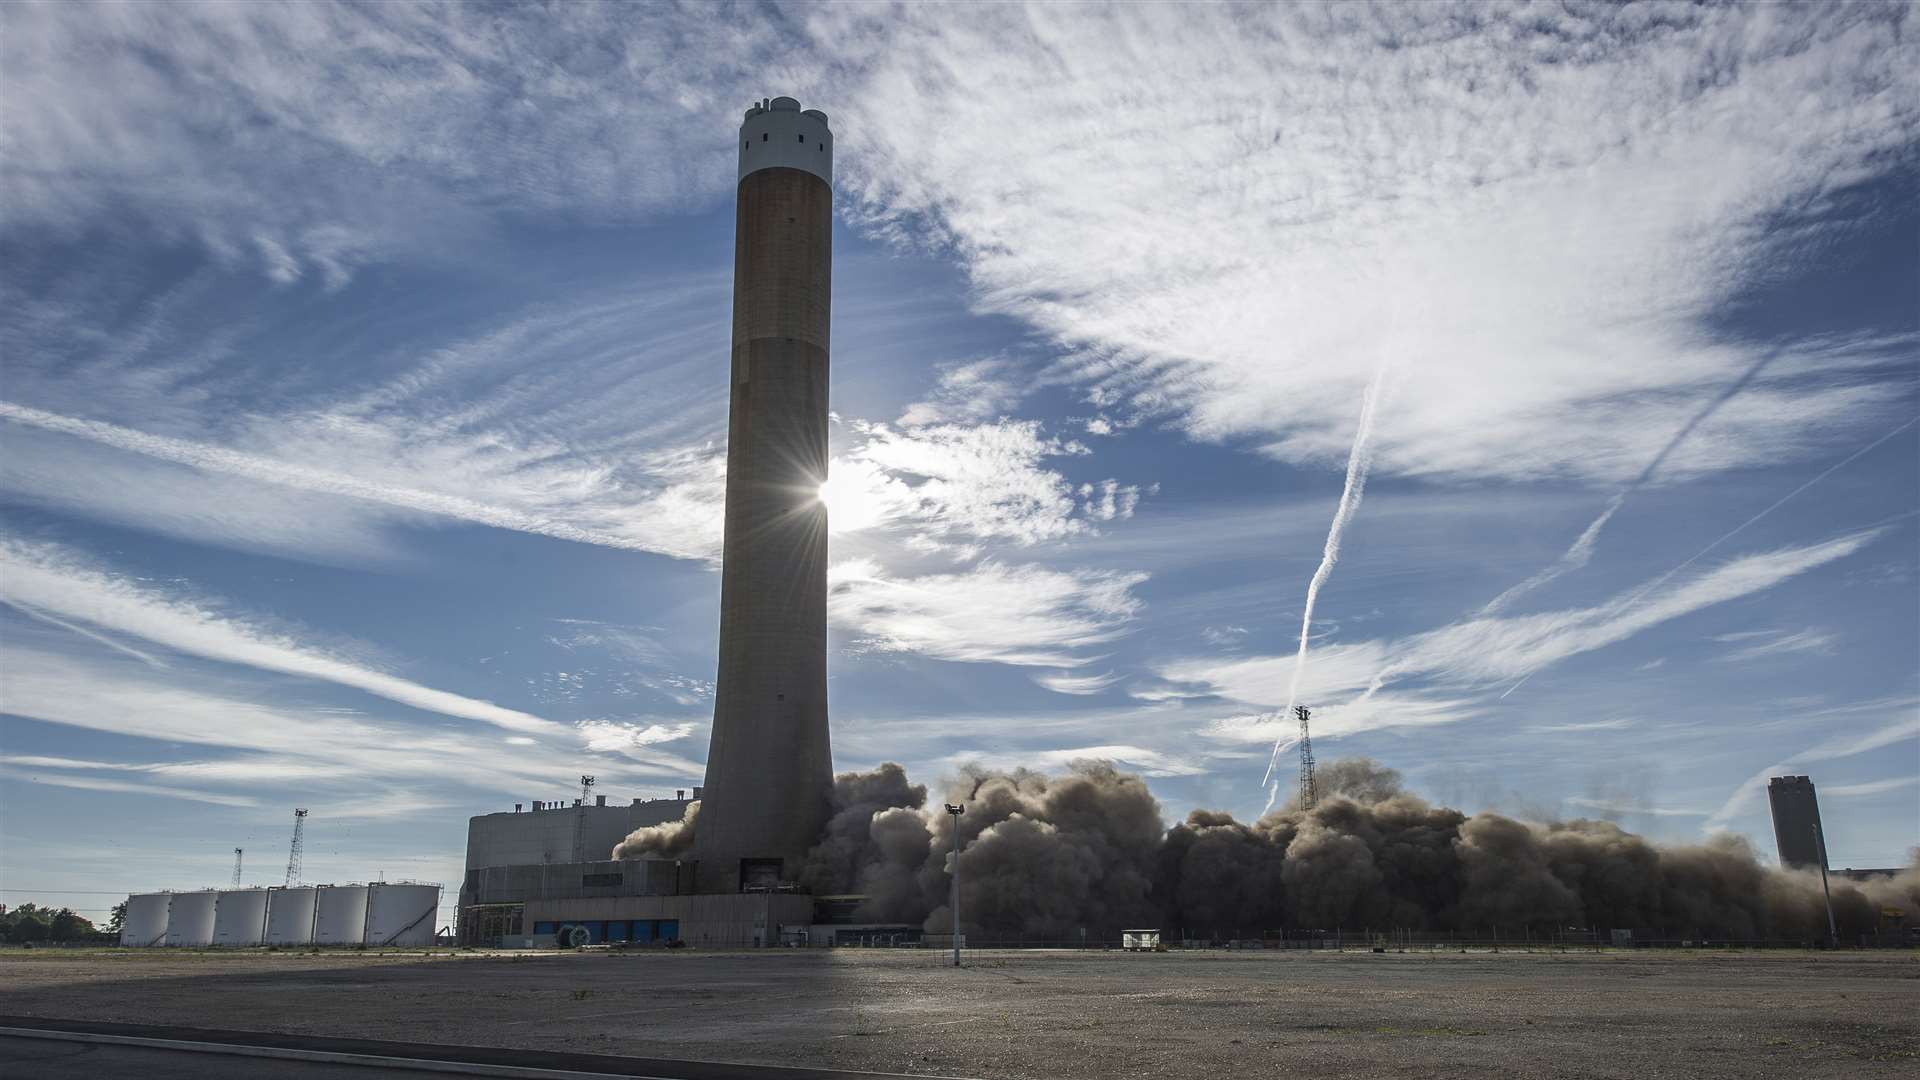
x: 770, y: 766
x: 1796, y: 823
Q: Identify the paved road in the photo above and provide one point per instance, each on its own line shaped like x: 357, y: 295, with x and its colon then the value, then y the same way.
x: 81, y: 1050
x: 44, y: 1059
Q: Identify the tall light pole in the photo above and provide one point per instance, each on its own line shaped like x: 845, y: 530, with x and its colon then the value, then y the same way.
x: 580, y: 820
x: 956, y: 810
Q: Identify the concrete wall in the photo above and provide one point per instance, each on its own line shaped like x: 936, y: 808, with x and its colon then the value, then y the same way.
x: 734, y: 919
x: 591, y: 880
x: 546, y: 836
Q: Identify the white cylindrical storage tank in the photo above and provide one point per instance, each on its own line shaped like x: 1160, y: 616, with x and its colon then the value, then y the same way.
x: 340, y: 915
x: 190, y: 918
x: 402, y: 914
x: 290, y: 916
x: 240, y: 918
x: 146, y: 921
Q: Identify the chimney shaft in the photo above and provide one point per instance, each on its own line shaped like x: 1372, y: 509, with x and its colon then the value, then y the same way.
x: 770, y: 763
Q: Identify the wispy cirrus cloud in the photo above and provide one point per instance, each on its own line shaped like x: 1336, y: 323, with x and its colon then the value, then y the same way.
x: 614, y: 735
x: 1617, y: 806
x: 255, y: 130
x: 289, y: 744
x: 1066, y: 682
x: 1618, y: 723
x: 1869, y: 787
x: 1494, y: 649
x: 115, y: 644
x: 50, y: 579
x: 698, y: 488
x: 1893, y: 722
x: 1763, y: 643
x: 970, y: 392
x: 1149, y: 762
x: 1391, y: 710
x: 589, y: 418
x: 1475, y: 654
x: 1547, y: 249
x: 955, y: 486
x: 41, y: 771
x: 991, y: 613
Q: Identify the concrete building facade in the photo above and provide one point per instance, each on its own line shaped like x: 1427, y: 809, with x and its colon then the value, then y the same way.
x: 769, y: 764
x: 548, y: 833
x: 1797, y: 832
x: 632, y: 901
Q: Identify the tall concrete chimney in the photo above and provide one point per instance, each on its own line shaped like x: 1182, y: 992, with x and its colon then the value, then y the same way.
x: 769, y: 766
x: 1796, y: 822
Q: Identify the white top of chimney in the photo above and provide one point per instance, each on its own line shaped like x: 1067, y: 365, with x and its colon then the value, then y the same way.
x: 777, y: 134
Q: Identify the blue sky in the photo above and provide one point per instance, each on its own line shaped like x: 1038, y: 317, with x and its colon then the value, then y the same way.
x: 362, y: 427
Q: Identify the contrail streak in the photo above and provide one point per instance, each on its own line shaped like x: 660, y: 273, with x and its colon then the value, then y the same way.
x: 1380, y: 679
x: 1638, y: 594
x: 1782, y: 501
x: 1581, y: 552
x: 1359, y: 460
x: 1575, y: 557
x: 218, y: 459
x: 32, y: 612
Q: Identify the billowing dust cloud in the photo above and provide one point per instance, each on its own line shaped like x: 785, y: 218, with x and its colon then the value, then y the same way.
x: 665, y: 841
x: 1048, y: 857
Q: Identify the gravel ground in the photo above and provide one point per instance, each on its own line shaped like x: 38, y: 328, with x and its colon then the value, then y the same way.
x: 1052, y: 1014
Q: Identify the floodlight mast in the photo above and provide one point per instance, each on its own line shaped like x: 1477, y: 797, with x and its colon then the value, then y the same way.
x: 956, y: 810
x: 580, y: 820
x: 1309, y: 791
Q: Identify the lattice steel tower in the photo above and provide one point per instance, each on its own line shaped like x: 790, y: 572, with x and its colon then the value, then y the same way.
x: 299, y: 846
x: 236, y: 865
x: 1308, y: 793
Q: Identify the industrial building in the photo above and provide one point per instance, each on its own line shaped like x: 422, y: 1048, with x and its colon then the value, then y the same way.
x: 399, y: 913
x: 562, y: 832
x: 1797, y: 832
x: 641, y: 901
x: 512, y: 856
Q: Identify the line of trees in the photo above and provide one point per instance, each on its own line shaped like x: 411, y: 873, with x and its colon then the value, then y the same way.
x: 29, y: 923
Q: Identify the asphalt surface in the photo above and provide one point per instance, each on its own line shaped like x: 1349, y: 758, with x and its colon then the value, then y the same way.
x: 42, y: 1059
x: 1053, y: 1015
x: 37, y: 1046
